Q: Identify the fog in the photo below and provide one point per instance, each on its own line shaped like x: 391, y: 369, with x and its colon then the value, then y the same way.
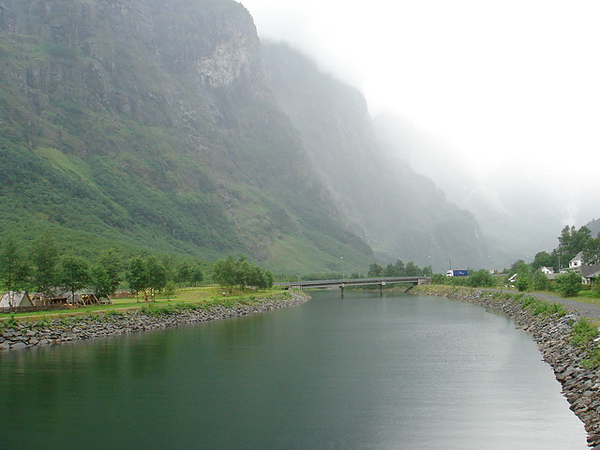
x: 510, y: 88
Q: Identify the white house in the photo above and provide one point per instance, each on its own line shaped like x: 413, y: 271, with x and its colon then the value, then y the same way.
x: 577, y: 261
x: 547, y: 270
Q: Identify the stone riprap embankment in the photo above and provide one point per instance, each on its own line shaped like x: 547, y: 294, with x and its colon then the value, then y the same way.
x: 553, y: 335
x: 24, y: 334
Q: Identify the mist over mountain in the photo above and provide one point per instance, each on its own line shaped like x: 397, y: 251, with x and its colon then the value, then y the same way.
x: 154, y: 126
x: 400, y: 213
x: 518, y: 214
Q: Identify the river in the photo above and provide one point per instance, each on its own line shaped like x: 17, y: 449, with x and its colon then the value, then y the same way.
x: 362, y: 372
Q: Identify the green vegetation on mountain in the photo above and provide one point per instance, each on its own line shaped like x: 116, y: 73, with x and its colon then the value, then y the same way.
x: 148, y: 126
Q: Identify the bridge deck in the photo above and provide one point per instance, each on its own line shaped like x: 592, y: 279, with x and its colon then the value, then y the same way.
x: 382, y: 281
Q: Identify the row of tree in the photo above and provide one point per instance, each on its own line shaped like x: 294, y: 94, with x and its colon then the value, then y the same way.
x: 399, y: 269
x: 231, y: 272
x: 46, y: 270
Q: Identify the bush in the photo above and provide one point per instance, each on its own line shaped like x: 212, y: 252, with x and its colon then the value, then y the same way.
x: 583, y: 332
x: 481, y: 278
x: 438, y: 278
x: 583, y: 335
x: 540, y: 307
x: 568, y: 284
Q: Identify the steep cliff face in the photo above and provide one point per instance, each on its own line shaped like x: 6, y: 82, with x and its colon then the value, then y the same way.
x: 401, y: 214
x: 149, y: 122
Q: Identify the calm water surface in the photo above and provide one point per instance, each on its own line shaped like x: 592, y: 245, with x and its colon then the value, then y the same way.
x: 365, y: 372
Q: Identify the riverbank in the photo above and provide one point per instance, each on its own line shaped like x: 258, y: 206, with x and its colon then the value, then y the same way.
x: 552, y: 331
x: 23, y: 334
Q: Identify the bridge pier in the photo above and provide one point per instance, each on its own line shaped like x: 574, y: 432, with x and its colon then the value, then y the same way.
x: 342, y: 289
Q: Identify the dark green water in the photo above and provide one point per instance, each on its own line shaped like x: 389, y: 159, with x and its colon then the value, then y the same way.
x: 398, y: 372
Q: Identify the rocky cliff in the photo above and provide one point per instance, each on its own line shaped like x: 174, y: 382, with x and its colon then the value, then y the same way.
x: 151, y: 125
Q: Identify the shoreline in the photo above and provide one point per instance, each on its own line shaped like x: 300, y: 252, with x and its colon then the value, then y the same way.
x: 552, y: 334
x: 59, y: 331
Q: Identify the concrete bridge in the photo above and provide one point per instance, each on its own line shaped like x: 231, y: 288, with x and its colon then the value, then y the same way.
x: 341, y: 284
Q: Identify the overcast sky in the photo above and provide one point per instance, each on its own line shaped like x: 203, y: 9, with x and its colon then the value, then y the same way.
x: 501, y: 81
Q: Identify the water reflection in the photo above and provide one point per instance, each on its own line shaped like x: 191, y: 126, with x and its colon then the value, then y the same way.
x: 363, y: 372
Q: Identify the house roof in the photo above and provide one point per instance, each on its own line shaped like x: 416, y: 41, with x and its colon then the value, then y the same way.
x: 590, y: 271
x: 577, y: 257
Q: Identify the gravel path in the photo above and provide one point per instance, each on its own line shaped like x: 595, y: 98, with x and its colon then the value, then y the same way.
x: 589, y: 310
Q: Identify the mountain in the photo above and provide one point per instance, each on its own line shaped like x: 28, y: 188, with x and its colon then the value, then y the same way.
x: 400, y: 213
x: 594, y: 227
x: 150, y: 126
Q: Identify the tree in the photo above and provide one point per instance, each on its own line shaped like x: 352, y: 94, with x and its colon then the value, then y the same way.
x: 14, y: 271
x: 523, y: 272
x: 73, y: 274
x: 196, y: 275
x: 157, y: 275
x: 375, y: 270
x: 189, y: 273
x: 45, y: 261
x: 229, y: 272
x: 183, y: 272
x: 146, y: 274
x: 224, y: 272
x: 106, y: 274
x: 572, y: 241
x: 542, y: 259
x: 568, y: 284
x: 523, y: 281
x: 540, y: 281
x: 591, y: 254
x: 390, y: 270
x: 400, y: 269
x: 411, y: 269
x: 137, y: 276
